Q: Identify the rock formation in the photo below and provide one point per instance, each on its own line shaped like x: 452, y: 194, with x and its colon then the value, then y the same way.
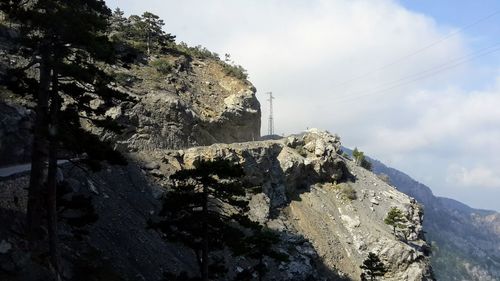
x: 196, y: 104
x: 302, y: 179
x: 326, y: 233
x: 466, y: 241
x: 328, y: 212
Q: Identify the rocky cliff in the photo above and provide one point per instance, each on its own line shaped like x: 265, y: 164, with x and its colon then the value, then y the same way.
x: 178, y: 101
x: 465, y: 241
x: 327, y: 212
x: 326, y: 230
x: 195, y: 103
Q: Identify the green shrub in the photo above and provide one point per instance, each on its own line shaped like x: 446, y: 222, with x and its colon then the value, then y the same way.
x: 201, y: 52
x: 236, y: 71
x: 124, y: 79
x: 163, y: 66
x: 345, y: 155
x: 349, y: 192
x: 196, y: 52
x: 366, y: 164
x: 359, y: 158
x: 395, y: 218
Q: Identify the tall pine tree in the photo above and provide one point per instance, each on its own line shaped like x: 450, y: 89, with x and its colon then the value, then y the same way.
x: 196, y: 211
x: 61, y: 40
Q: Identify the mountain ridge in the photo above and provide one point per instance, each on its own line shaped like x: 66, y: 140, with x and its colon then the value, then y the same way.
x: 472, y: 250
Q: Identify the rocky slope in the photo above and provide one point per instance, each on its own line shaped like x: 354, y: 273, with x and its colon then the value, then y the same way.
x: 195, y: 103
x: 327, y: 211
x: 303, y: 178
x: 465, y: 241
x: 180, y: 101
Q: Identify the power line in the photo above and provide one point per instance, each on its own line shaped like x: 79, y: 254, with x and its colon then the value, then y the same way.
x: 418, y: 51
x: 433, y: 69
x: 421, y: 75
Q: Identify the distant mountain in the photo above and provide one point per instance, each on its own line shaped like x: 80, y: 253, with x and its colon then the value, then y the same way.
x: 465, y: 241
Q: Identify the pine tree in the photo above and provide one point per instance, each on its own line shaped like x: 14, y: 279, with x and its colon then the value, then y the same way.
x: 118, y: 21
x: 360, y: 159
x: 148, y: 29
x: 62, y: 39
x: 372, y: 267
x: 258, y: 245
x: 396, y: 219
x: 153, y: 28
x: 195, y: 211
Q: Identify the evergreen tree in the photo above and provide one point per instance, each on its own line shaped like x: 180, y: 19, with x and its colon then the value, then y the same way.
x: 118, y: 21
x: 372, y: 267
x: 152, y: 28
x: 396, y: 219
x: 62, y: 40
x: 258, y: 245
x: 148, y: 29
x: 366, y: 164
x: 360, y: 159
x: 357, y: 155
x: 196, y: 211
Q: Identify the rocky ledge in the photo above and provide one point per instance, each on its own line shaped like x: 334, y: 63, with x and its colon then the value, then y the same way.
x: 310, y: 191
x: 197, y: 103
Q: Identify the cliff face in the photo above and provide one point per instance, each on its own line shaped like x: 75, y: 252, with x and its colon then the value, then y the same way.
x: 328, y: 212
x: 303, y: 180
x: 326, y: 231
x: 195, y: 103
x: 466, y: 241
x: 179, y: 102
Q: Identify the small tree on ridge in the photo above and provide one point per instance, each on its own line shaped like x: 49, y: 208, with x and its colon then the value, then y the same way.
x: 396, y: 219
x: 372, y: 267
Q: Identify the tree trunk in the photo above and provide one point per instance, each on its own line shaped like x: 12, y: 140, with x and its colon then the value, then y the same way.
x: 204, y: 269
x: 39, y: 153
x: 52, y: 175
x: 149, y: 42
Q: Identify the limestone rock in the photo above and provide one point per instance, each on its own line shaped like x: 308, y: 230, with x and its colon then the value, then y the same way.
x: 299, y: 198
x: 200, y: 108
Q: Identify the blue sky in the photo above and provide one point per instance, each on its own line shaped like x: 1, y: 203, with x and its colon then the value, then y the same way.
x: 361, y: 68
x: 463, y: 13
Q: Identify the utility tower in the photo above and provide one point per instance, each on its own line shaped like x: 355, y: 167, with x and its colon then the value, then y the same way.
x: 270, y: 127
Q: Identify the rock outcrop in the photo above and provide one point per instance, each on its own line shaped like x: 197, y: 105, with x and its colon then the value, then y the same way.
x: 328, y: 212
x: 303, y: 180
x: 325, y: 230
x: 198, y: 103
x: 466, y: 241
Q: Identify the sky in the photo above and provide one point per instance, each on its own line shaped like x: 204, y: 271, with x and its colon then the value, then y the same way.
x: 413, y: 83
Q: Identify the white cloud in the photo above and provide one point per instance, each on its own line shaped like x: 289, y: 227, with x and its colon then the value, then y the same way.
x: 451, y: 143
x: 467, y: 119
x: 303, y: 51
x: 477, y: 177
